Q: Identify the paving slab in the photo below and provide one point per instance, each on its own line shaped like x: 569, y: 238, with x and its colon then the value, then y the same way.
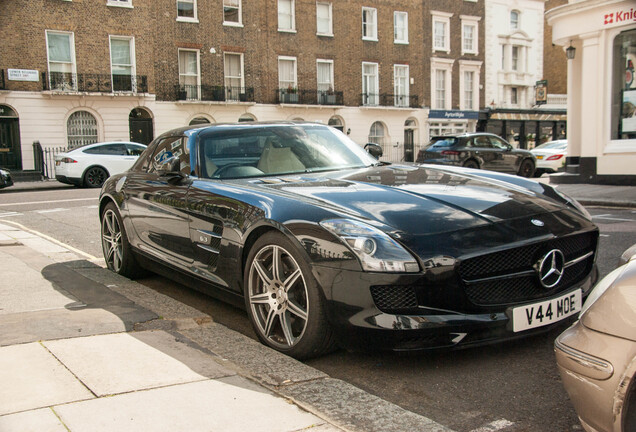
x: 27, y: 289
x: 32, y: 378
x: 119, y: 363
x: 40, y: 420
x: 203, y: 406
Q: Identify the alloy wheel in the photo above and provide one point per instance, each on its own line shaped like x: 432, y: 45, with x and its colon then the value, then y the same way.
x: 112, y: 241
x: 278, y: 296
x: 95, y: 177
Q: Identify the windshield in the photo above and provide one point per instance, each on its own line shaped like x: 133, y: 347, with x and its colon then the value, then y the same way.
x: 556, y: 145
x: 252, y: 151
x: 442, y: 142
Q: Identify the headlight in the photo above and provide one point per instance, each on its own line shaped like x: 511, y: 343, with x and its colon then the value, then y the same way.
x: 375, y: 249
x: 600, y: 288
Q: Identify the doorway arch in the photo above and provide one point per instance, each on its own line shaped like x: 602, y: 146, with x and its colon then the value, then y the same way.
x: 140, y: 126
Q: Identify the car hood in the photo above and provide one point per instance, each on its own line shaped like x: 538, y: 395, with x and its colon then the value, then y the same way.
x: 418, y: 200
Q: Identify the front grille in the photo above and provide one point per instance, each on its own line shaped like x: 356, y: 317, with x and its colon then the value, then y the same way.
x: 394, y: 298
x: 510, y: 274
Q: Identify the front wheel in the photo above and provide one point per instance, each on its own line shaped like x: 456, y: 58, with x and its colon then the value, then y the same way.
x: 283, y: 301
x: 526, y: 169
x: 471, y: 164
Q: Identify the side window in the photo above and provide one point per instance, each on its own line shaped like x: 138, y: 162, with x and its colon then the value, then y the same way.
x: 168, y: 148
x: 498, y: 144
x: 135, y: 150
x: 482, y: 142
x: 108, y: 149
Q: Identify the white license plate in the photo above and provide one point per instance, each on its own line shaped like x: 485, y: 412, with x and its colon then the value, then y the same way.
x: 546, y: 312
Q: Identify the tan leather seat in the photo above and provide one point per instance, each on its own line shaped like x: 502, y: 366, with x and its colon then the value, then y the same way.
x: 278, y: 159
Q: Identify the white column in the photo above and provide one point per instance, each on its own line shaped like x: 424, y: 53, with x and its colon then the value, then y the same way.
x: 590, y: 106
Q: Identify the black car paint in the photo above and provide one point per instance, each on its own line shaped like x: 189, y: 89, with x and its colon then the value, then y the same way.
x: 441, y: 215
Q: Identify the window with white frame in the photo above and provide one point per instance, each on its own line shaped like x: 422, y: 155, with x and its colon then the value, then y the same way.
x: 514, y: 96
x: 61, y: 60
x: 369, y: 24
x: 189, y: 78
x: 122, y: 63
x: 81, y: 129
x: 514, y: 20
x: 401, y: 85
x: 400, y: 27
x: 370, y: 84
x: 469, y: 76
x: 445, y: 128
x: 324, y: 20
x: 124, y: 3
x: 287, y: 74
x: 232, y: 12
x: 286, y: 15
x: 186, y: 10
x: 324, y: 76
x: 233, y: 72
x: 441, y: 31
x: 470, y: 34
x: 441, y: 72
x: 377, y: 134
x: 514, y: 60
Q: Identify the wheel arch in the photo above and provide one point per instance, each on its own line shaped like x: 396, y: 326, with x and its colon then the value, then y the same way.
x: 94, y: 166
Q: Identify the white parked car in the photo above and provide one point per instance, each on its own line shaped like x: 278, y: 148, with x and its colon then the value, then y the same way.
x: 550, y: 156
x: 91, y: 165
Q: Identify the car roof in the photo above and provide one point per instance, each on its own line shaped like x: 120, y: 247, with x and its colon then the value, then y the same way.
x: 466, y: 135
x: 196, y: 129
x: 87, y: 146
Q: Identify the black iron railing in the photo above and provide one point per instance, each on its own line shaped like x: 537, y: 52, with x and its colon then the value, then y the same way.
x: 389, y: 100
x: 101, y: 83
x: 214, y: 93
x: 309, y: 97
x: 44, y: 159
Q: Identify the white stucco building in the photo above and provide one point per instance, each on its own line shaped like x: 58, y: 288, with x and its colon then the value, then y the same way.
x: 601, y: 38
x: 514, y: 51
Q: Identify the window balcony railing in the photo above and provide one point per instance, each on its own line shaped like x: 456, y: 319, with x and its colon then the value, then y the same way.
x: 102, y: 83
x: 389, y: 100
x: 213, y: 93
x: 309, y: 97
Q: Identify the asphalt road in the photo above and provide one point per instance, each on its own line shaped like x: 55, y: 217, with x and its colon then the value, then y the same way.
x: 510, y: 387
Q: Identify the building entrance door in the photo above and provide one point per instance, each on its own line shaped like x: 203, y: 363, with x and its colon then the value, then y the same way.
x: 10, y: 149
x: 140, y: 124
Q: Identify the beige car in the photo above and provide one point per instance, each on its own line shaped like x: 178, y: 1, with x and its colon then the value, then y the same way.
x: 597, y: 355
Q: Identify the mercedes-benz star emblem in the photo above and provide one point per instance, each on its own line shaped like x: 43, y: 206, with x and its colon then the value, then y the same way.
x: 551, y: 268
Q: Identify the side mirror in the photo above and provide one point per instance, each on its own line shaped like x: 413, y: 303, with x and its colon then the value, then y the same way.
x: 171, y: 168
x: 374, y: 150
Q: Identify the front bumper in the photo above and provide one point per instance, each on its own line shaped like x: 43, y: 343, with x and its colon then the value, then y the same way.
x: 360, y: 325
x: 594, y: 369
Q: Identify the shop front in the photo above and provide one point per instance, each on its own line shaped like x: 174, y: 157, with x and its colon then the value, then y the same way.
x: 444, y: 122
x: 524, y: 129
x: 600, y: 41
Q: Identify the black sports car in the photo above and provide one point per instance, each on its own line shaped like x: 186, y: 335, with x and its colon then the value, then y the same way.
x: 478, y: 150
x: 322, y: 243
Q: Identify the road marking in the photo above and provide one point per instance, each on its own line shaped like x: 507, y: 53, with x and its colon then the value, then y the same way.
x: 52, y: 240
x: 47, y: 202
x: 606, y: 217
x: 51, y: 210
x: 7, y: 214
x: 494, y: 426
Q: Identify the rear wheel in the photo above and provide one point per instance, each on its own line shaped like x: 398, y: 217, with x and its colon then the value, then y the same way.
x: 117, y: 251
x: 95, y: 177
x: 471, y: 164
x: 629, y: 410
x: 283, y: 301
x: 526, y: 169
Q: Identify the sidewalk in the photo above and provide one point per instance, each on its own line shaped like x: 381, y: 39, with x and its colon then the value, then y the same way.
x: 84, y: 349
x: 586, y: 194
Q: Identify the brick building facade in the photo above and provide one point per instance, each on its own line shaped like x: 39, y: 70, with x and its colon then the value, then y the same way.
x: 393, y: 72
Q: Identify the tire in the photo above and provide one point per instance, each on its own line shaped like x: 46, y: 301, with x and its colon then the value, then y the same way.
x: 471, y: 164
x: 629, y: 410
x: 526, y: 169
x: 283, y: 301
x: 117, y: 251
x: 94, y: 177
x: 537, y: 173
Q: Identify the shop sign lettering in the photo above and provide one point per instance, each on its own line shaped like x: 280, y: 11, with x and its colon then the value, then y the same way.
x: 620, y: 17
